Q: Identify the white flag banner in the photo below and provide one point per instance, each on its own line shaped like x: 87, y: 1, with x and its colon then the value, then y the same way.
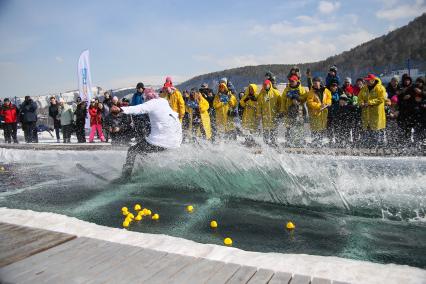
x: 85, y: 80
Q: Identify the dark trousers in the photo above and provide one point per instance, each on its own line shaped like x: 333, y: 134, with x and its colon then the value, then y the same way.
x: 141, y: 148
x: 317, y: 137
x: 30, y: 132
x: 79, y: 131
x: 142, y: 127
x: 419, y: 134
x: 270, y: 136
x: 57, y: 127
x: 57, y: 133
x: 372, y: 138
x: 10, y: 130
x: 66, y: 132
x: 343, y: 136
x: 405, y: 129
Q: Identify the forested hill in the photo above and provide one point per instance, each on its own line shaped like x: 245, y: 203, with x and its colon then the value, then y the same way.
x: 379, y: 55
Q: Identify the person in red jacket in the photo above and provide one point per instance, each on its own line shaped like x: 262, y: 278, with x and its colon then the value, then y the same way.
x: 95, y: 121
x: 10, y: 115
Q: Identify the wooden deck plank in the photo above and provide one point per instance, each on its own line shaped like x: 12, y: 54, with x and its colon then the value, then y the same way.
x: 34, y: 260
x: 54, y: 262
x: 19, y: 242
x: 107, y: 256
x: 243, y: 275
x: 300, y: 279
x: 262, y: 276
x: 197, y: 272
x: 140, y: 262
x: 167, y: 275
x: 280, y: 278
x: 320, y: 281
x: 223, y: 274
x: 29, y: 246
x: 169, y: 261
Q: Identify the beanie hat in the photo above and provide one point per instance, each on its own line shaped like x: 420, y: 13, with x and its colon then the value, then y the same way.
x: 394, y: 99
x: 348, y: 79
x: 266, y: 83
x: 6, y: 100
x: 317, y: 79
x: 169, y: 79
x: 343, y: 97
x: 150, y: 94
x: 140, y: 85
x: 333, y: 68
x: 334, y: 82
x: 224, y: 80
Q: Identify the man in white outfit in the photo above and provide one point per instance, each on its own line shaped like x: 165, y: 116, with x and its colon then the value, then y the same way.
x: 166, y: 129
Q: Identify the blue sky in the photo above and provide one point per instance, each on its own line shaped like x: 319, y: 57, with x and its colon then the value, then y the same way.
x: 133, y: 41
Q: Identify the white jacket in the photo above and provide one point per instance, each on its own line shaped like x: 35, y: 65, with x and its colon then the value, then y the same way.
x: 166, y: 129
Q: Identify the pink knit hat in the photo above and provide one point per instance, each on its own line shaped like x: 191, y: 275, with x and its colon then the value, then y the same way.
x: 169, y: 80
x: 150, y: 94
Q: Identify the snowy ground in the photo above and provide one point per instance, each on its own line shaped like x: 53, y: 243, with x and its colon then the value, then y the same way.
x: 327, y: 267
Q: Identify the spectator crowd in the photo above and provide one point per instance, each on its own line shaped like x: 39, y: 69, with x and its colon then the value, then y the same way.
x: 339, y: 113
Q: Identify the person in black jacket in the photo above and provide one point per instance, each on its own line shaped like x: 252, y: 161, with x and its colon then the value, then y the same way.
x: 405, y: 105
x: 208, y: 94
x: 419, y: 111
x: 345, y: 118
x: 393, y: 88
x: 53, y: 113
x: 28, y: 113
x: 80, y: 120
x: 119, y: 126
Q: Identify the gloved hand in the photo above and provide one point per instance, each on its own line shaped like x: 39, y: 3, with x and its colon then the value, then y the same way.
x: 192, y: 104
x: 224, y: 99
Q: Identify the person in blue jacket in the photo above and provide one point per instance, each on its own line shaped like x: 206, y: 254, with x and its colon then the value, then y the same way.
x: 140, y: 121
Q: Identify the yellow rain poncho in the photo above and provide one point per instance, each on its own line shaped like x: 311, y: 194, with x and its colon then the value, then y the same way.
x: 250, y: 119
x: 205, y: 126
x: 286, y: 102
x: 176, y: 102
x: 224, y: 123
x: 317, y: 115
x: 268, y: 105
x: 373, y: 116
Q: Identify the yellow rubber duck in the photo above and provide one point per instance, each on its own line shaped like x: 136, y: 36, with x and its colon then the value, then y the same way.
x: 138, y: 217
x: 227, y: 241
x: 290, y: 225
x: 155, y: 216
x: 125, y: 213
x: 126, y: 223
x: 213, y: 224
x: 138, y: 207
x: 131, y: 216
x: 189, y: 208
x: 148, y: 212
x: 145, y: 212
x: 124, y: 209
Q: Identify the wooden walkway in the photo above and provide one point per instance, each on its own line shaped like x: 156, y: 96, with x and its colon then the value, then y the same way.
x: 30, y: 255
x: 380, y: 152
